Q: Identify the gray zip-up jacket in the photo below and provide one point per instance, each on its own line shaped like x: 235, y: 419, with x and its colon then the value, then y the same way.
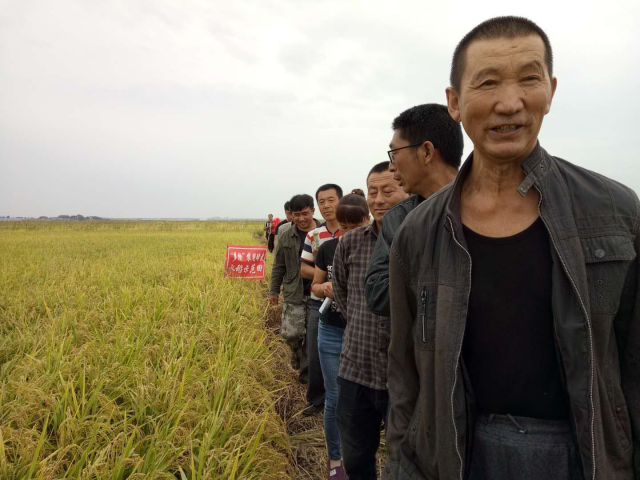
x: 376, y: 283
x: 593, y: 230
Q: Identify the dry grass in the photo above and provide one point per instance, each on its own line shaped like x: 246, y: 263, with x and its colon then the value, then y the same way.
x: 125, y: 354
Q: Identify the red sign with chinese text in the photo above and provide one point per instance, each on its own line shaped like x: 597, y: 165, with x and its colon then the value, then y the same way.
x: 245, y: 261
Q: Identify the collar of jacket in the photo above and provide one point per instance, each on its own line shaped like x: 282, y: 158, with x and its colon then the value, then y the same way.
x: 371, y: 229
x: 291, y: 231
x: 535, y: 167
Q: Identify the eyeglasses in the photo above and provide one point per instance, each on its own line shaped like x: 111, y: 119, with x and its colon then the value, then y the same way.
x: 393, y: 150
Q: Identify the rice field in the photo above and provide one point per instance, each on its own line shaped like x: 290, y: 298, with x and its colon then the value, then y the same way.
x: 124, y: 353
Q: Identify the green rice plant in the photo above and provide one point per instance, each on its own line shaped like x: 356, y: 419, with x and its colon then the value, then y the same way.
x: 125, y: 353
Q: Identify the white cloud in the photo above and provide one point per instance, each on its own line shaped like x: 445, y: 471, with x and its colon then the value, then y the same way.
x: 205, y: 108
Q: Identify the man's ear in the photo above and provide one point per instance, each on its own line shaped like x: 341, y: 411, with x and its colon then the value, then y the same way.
x: 554, y: 85
x: 429, y: 152
x: 453, y: 103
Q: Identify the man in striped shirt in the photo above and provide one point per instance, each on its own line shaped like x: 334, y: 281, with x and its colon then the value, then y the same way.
x: 327, y: 197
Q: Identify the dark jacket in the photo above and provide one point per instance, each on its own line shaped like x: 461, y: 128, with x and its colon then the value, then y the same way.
x: 593, y: 225
x: 376, y: 283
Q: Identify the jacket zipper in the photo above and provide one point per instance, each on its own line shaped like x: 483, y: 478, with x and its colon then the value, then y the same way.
x: 586, y: 314
x: 455, y: 370
x: 423, y: 310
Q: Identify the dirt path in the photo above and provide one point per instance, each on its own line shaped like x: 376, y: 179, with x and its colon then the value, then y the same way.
x: 306, y: 435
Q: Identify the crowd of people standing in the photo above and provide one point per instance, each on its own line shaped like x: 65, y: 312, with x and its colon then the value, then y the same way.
x: 485, y: 316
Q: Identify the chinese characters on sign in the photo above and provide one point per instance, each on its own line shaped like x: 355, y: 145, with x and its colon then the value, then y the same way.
x: 245, y: 261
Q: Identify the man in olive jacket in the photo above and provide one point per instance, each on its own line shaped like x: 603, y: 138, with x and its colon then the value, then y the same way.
x: 515, y: 332
x: 285, y: 273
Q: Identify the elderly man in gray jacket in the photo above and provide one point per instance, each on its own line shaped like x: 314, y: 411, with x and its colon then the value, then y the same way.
x: 515, y: 307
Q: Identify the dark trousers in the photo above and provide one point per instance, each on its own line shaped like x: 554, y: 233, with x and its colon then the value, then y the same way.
x: 315, y: 386
x: 361, y: 411
x: 508, y: 447
x: 271, y: 241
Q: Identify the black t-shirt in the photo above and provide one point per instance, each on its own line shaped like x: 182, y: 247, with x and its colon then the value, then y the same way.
x: 324, y: 261
x: 509, y: 345
x: 306, y: 284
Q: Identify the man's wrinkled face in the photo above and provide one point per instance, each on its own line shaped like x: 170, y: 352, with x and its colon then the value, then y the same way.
x: 406, y: 168
x: 327, y: 203
x: 303, y: 219
x: 383, y: 192
x: 505, y: 92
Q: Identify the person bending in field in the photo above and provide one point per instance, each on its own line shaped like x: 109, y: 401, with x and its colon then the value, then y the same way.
x: 362, y: 396
x: 352, y: 212
x: 285, y: 273
x: 327, y: 197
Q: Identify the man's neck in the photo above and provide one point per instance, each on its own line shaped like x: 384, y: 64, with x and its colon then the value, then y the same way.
x: 333, y: 225
x: 311, y: 227
x: 378, y: 226
x: 435, y: 181
x: 493, y: 177
x: 490, y: 202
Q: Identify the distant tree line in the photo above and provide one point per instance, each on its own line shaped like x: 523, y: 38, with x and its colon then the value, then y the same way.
x: 76, y: 217
x: 59, y: 217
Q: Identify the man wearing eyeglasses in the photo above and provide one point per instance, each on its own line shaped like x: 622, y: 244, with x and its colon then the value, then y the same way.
x: 426, y: 149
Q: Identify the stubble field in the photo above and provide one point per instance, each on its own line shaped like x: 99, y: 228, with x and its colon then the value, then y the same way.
x: 124, y: 353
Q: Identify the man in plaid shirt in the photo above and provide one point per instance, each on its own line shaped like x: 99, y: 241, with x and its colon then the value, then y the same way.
x: 363, y: 397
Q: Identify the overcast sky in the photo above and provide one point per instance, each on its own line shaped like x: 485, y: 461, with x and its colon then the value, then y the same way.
x: 202, y: 108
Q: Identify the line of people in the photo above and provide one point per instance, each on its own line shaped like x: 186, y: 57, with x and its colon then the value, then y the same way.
x: 487, y: 317
x: 341, y: 353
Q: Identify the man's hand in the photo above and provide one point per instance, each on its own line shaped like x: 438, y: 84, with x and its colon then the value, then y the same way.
x: 314, y: 251
x: 273, y: 300
x: 327, y: 288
